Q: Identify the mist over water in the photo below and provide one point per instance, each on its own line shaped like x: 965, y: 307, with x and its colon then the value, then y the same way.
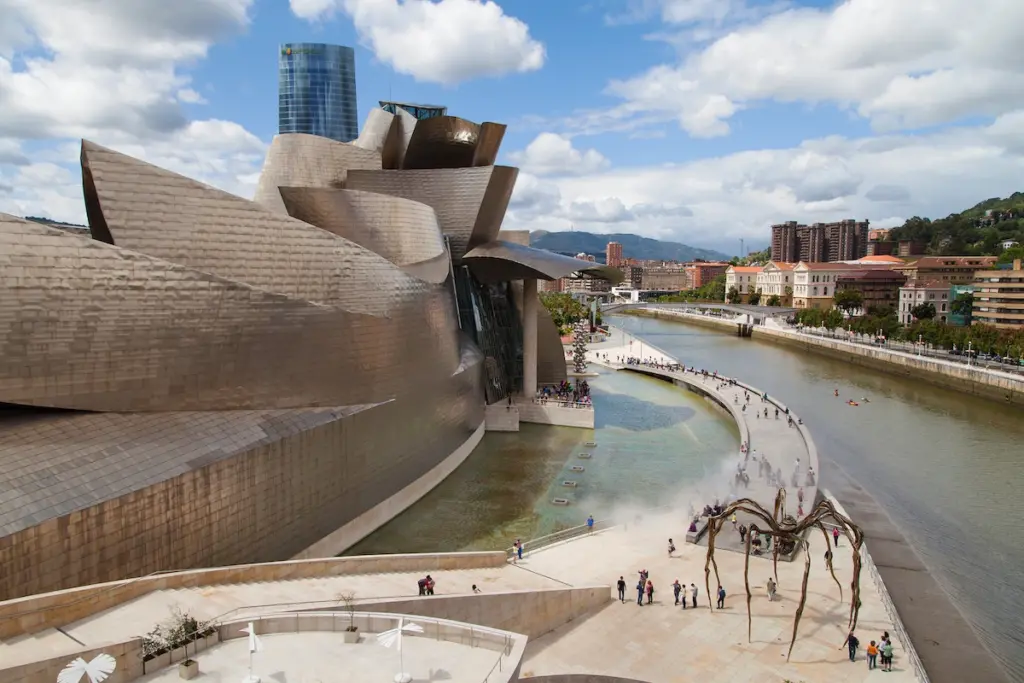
x: 945, y: 465
x: 658, y: 447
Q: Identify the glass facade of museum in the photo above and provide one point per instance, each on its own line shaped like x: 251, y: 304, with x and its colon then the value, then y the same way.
x: 317, y: 91
x: 418, y: 111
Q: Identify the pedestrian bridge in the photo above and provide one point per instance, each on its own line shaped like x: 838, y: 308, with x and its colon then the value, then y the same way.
x: 754, y: 312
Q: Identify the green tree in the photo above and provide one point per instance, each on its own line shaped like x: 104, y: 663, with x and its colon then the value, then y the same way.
x: 832, y: 319
x: 713, y: 291
x: 923, y: 311
x: 963, y: 304
x: 810, y: 317
x: 755, y: 297
x: 733, y: 296
x: 564, y: 309
x: 1010, y: 254
x: 848, y: 299
x: 775, y: 300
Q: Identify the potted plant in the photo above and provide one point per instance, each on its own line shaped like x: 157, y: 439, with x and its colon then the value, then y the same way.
x: 351, y: 633
x: 183, y: 629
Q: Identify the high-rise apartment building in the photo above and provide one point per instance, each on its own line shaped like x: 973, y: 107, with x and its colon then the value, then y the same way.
x: 841, y: 241
x: 613, y: 254
x: 317, y: 91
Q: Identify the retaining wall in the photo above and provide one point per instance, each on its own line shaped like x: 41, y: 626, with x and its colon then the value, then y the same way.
x: 530, y: 612
x: 38, y: 612
x: 554, y: 414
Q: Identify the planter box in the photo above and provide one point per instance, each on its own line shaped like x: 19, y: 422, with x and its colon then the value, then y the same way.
x: 351, y: 636
x: 188, y: 670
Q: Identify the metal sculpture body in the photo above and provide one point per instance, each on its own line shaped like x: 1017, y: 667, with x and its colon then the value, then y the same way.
x: 393, y: 638
x: 97, y: 670
x: 788, y: 531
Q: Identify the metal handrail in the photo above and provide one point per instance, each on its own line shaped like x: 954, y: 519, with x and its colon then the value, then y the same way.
x: 563, y: 403
x: 897, y: 623
x: 560, y: 536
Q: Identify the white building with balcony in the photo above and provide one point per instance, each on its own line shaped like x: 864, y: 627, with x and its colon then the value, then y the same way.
x: 743, y: 278
x: 915, y: 293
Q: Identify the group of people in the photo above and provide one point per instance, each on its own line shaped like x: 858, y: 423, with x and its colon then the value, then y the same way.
x: 566, y: 392
x: 426, y: 585
x: 680, y: 591
x: 883, y: 647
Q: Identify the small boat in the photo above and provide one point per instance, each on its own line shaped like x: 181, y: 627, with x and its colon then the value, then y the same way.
x: 852, y: 403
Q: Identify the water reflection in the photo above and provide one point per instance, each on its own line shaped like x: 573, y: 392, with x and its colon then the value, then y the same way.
x: 945, y: 465
x: 653, y: 440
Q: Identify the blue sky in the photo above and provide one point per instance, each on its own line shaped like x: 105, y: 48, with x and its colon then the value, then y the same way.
x: 701, y: 121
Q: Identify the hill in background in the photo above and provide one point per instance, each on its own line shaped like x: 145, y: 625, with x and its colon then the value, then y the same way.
x: 633, y: 246
x: 978, y: 231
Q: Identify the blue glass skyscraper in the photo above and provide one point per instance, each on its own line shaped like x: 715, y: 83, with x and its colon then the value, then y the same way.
x: 317, y: 91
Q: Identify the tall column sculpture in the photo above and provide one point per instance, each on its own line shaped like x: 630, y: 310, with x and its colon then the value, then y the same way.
x: 530, y: 302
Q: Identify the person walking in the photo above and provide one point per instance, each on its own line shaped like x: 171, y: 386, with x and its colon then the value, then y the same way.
x: 771, y: 589
x: 872, y: 652
x: 835, y: 536
x: 693, y: 594
x: 519, y: 548
x: 515, y: 552
x: 743, y: 533
x: 671, y: 547
x: 721, y: 598
x: 590, y: 523
x: 650, y: 592
x: 852, y: 643
x: 676, y: 588
x: 622, y: 589
x: 640, y: 592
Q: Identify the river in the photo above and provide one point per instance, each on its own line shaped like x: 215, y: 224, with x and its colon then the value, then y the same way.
x: 945, y: 465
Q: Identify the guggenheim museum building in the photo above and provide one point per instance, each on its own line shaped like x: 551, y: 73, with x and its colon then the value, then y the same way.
x: 205, y: 380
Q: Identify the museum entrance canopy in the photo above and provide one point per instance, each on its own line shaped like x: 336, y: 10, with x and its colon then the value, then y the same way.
x: 500, y: 261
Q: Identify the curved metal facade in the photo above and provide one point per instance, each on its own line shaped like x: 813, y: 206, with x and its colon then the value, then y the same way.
x: 402, y: 231
x: 308, y: 161
x: 499, y: 260
x: 250, y: 380
x: 470, y: 202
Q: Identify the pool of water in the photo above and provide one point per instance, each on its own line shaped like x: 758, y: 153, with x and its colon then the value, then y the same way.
x: 653, y: 440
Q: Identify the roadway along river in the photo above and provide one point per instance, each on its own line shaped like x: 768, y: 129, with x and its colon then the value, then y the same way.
x: 945, y: 465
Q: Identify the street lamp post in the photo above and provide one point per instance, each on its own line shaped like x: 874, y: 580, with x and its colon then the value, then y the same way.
x: 920, y: 343
x: 970, y: 346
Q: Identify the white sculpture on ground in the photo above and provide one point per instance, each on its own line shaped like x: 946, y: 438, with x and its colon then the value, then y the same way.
x: 255, y: 645
x: 101, y: 666
x: 394, y: 637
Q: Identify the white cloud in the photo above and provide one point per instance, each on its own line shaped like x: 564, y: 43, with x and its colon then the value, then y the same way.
x: 437, y: 41
x: 717, y: 201
x: 553, y: 154
x: 190, y: 96
x: 901, y: 65
x: 111, y: 71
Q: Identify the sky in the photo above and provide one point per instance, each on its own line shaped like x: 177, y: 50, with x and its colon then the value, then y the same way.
x: 698, y: 121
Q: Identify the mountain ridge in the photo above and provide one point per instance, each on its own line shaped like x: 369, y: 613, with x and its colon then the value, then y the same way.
x: 633, y: 246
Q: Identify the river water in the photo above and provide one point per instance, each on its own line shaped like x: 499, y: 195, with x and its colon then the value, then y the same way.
x: 945, y: 465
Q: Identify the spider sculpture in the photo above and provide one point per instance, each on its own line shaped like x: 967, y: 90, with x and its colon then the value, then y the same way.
x: 788, y: 534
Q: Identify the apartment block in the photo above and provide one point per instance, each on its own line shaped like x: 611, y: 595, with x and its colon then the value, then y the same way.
x: 841, y: 241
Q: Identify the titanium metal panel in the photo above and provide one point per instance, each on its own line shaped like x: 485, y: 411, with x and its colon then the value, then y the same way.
x: 402, y: 231
x: 89, y: 326
x: 298, y: 160
x: 500, y: 261
x: 382, y: 133
x: 174, y: 218
x: 442, y: 142
x: 470, y: 202
x: 489, y: 143
x: 406, y: 127
x: 98, y: 497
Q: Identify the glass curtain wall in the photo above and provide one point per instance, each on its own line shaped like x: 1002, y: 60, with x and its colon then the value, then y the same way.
x: 488, y: 314
x: 317, y: 91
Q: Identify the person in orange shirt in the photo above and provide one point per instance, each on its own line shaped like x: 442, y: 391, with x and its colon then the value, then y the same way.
x: 872, y: 654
